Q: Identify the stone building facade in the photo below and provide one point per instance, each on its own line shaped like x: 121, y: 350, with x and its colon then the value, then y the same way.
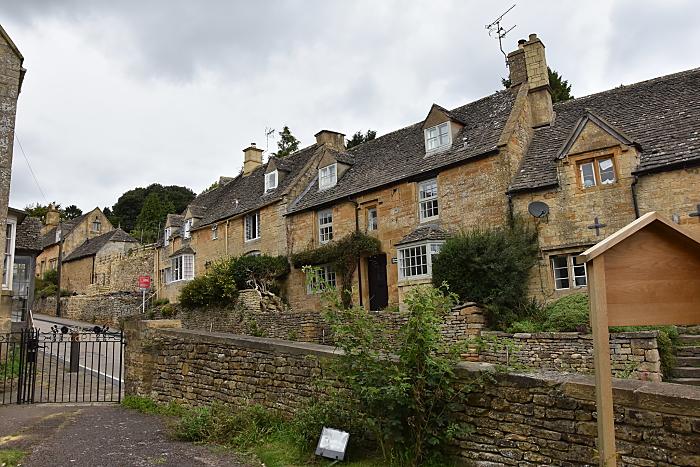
x: 591, y: 164
x: 11, y: 77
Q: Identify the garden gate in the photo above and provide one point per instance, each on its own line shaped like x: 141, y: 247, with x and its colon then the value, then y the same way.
x: 61, y: 365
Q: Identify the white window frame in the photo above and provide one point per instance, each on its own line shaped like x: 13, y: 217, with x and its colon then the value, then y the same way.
x: 188, y: 228
x: 325, y: 225
x: 166, y: 235
x: 328, y: 176
x: 372, y: 220
x: 439, y: 140
x: 418, y: 258
x: 215, y: 232
x: 182, y: 268
x: 271, y: 177
x: 9, y: 254
x: 97, y: 225
x: 249, y: 235
x: 325, y: 272
x: 428, y: 203
x: 573, y: 271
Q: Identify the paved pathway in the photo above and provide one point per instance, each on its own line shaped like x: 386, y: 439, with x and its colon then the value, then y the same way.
x: 104, y: 435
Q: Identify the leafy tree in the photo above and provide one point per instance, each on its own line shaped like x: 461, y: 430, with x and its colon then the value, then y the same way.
x: 358, y: 138
x: 150, y: 219
x: 37, y: 210
x: 128, y: 207
x: 490, y: 267
x: 72, y: 211
x: 287, y: 143
x: 561, y: 89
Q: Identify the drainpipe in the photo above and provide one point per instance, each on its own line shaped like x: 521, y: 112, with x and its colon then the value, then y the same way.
x: 226, y: 238
x: 634, y: 196
x: 359, y: 262
x: 510, y: 208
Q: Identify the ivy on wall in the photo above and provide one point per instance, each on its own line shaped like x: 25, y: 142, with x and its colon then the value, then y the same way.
x: 343, y: 255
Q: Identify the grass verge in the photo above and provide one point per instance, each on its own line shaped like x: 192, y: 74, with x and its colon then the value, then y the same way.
x: 11, y: 457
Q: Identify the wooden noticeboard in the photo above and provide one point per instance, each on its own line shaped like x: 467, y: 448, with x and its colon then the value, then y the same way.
x: 647, y: 273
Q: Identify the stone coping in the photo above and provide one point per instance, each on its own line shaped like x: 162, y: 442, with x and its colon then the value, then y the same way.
x: 571, y: 335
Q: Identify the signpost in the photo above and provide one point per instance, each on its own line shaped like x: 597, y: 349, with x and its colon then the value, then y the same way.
x: 647, y: 273
x: 144, y: 284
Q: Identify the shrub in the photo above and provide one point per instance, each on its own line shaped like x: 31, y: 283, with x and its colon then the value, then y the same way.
x: 168, y: 311
x: 569, y: 313
x: 263, y: 271
x: 490, y: 267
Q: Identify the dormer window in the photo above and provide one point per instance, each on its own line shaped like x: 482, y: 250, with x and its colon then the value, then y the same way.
x: 271, y: 181
x: 437, y: 137
x: 187, y: 228
x: 327, y: 176
x: 166, y: 236
x: 96, y: 225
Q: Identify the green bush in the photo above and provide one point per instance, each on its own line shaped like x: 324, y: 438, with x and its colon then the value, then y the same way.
x: 259, y: 271
x: 490, y: 267
x: 168, y: 311
x: 569, y: 313
x: 161, y: 301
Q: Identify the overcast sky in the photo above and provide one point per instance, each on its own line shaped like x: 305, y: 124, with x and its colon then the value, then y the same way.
x: 125, y: 93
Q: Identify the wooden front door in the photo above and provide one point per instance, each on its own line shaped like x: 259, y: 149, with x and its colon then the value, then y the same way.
x: 378, y: 289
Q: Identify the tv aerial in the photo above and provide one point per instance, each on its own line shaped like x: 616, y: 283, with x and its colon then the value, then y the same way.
x: 538, y: 209
x: 499, y: 32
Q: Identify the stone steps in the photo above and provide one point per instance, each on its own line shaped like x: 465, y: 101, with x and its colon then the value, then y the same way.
x: 688, y: 361
x: 686, y: 372
x: 690, y: 381
x: 689, y: 340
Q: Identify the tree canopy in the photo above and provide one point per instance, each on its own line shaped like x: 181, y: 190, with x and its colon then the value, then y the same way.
x: 72, y: 211
x: 150, y: 219
x: 359, y: 138
x: 40, y: 210
x: 287, y: 143
x: 561, y: 89
x: 126, y: 210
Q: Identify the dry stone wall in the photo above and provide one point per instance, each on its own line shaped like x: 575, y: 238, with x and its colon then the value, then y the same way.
x: 633, y: 354
x: 105, y: 309
x: 119, y: 272
x: 524, y: 420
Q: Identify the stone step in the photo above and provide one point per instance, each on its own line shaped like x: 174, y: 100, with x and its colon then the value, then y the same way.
x: 689, y: 339
x: 688, y: 361
x: 686, y: 372
x: 688, y: 351
x: 690, y: 381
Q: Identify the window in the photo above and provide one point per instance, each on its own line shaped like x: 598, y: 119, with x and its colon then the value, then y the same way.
x: 182, y: 268
x: 415, y: 262
x: 437, y: 137
x: 214, y: 232
x: 600, y: 171
x: 8, y: 259
x: 271, y: 180
x: 428, y: 200
x: 568, y: 272
x: 188, y: 228
x: 372, y: 221
x: 325, y: 226
x: 52, y: 264
x: 96, y: 225
x: 166, y: 235
x: 327, y: 176
x: 252, y: 226
x: 58, y: 234
x: 321, y: 277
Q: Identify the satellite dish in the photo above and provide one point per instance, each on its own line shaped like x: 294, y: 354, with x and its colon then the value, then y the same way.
x: 538, y: 209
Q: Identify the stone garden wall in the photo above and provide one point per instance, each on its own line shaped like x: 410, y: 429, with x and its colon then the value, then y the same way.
x: 518, y: 419
x: 633, y: 354
x: 100, y: 309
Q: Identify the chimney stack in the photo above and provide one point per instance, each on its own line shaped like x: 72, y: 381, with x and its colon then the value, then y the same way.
x: 528, y: 64
x: 252, y: 159
x: 332, y: 139
x: 53, y: 217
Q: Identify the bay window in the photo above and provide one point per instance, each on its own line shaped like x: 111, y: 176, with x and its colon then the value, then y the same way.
x: 416, y: 261
x: 182, y: 268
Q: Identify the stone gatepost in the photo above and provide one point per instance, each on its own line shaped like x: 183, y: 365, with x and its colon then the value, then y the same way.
x: 140, y: 354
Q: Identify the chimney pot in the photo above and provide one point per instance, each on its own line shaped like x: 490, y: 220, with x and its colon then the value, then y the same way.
x: 532, y: 37
x: 252, y: 159
x: 521, y: 43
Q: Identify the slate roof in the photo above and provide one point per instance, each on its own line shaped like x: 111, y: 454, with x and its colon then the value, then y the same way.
x: 185, y: 250
x: 28, y: 236
x: 92, y: 246
x: 247, y: 193
x: 662, y: 115
x: 67, y: 227
x: 424, y: 233
x: 174, y: 220
x: 401, y: 154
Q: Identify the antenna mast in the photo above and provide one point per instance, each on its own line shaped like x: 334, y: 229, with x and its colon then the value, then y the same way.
x: 268, y: 132
x: 499, y: 32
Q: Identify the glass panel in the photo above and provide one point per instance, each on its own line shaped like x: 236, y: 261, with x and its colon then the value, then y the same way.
x: 561, y: 272
x: 413, y: 261
x: 372, y: 219
x: 587, y: 175
x: 579, y: 269
x: 607, y: 171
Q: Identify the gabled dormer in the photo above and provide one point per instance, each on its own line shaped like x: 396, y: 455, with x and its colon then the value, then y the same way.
x: 335, y: 161
x: 439, y: 129
x: 277, y: 169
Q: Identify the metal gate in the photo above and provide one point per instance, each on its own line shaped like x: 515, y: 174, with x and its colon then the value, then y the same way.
x: 62, y: 365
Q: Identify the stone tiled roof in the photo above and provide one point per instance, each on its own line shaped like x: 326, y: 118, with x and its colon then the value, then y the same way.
x: 174, y: 220
x: 247, y: 193
x: 92, y: 246
x: 49, y: 238
x: 29, y: 235
x: 401, y: 154
x: 661, y: 115
x: 185, y: 250
x: 424, y: 233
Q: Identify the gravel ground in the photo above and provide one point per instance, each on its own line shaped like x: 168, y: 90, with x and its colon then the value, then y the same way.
x: 104, y: 435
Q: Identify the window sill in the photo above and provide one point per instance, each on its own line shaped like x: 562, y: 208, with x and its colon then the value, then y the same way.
x: 415, y: 280
x: 429, y: 219
x: 252, y: 240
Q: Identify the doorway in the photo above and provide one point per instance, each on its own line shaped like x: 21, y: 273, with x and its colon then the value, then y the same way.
x: 378, y: 289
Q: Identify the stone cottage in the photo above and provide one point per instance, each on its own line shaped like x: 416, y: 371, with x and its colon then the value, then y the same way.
x: 589, y: 165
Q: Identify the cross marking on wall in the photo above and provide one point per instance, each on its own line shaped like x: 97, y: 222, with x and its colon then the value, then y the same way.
x: 696, y: 213
x: 597, y: 225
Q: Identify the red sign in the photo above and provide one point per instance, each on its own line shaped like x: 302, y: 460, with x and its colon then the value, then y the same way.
x: 144, y: 282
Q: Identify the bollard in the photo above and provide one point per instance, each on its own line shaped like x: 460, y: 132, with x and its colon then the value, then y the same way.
x: 74, y: 352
